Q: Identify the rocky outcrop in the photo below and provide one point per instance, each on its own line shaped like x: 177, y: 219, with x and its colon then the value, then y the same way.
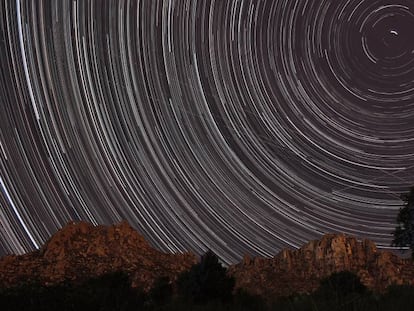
x: 301, y: 270
x: 80, y: 251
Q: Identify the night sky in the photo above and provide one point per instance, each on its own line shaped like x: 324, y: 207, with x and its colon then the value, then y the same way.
x: 240, y: 126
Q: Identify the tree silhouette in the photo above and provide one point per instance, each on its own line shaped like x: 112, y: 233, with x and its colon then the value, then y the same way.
x: 340, y: 291
x: 206, y: 281
x: 341, y: 284
x: 161, y: 292
x: 404, y: 232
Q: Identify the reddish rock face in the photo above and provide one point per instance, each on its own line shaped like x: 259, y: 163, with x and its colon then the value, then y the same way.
x: 81, y: 250
x: 301, y: 270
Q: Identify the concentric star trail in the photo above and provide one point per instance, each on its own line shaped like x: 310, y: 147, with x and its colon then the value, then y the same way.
x: 240, y: 126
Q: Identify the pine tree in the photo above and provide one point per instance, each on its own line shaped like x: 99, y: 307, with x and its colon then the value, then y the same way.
x: 404, y: 232
x: 206, y: 281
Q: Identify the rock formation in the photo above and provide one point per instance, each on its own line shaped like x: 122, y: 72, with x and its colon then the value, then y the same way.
x: 80, y: 251
x: 301, y: 270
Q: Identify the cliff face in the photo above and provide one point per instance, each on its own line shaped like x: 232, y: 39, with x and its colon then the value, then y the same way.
x: 301, y: 270
x: 81, y: 250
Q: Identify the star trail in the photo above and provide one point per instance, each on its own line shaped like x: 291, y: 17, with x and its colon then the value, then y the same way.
x: 240, y: 126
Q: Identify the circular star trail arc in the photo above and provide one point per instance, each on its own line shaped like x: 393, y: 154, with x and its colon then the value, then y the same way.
x: 239, y: 126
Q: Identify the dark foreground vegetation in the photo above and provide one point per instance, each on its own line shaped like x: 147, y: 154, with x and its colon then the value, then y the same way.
x: 205, y: 287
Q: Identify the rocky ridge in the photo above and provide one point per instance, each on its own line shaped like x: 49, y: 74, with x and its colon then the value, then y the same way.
x: 80, y: 251
x: 300, y: 271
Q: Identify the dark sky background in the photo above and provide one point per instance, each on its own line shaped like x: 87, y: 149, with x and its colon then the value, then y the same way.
x: 240, y: 126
